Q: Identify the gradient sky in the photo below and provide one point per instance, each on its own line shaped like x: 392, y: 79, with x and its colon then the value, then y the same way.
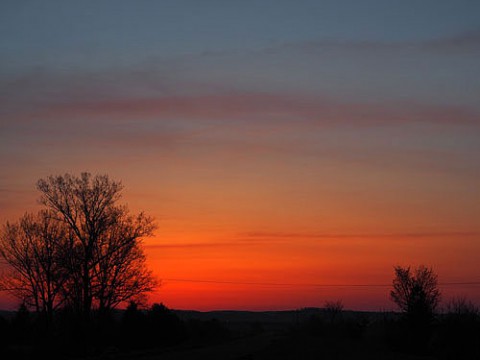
x: 279, y: 144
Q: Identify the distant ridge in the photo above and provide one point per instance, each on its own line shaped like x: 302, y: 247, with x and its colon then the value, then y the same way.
x: 280, y: 316
x: 274, y: 316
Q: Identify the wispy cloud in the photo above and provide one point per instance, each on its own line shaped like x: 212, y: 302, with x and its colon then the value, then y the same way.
x: 245, y: 125
x: 263, y: 107
x: 314, y: 235
x: 463, y: 42
x: 202, y: 245
x: 466, y: 42
x: 267, y: 238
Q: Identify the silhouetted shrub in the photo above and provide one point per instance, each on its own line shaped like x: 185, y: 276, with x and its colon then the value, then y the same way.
x: 462, y: 310
x: 333, y: 310
x: 165, y: 327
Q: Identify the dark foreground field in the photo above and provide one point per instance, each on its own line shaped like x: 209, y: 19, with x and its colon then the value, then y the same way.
x: 306, y: 334
x: 280, y: 340
x: 163, y: 334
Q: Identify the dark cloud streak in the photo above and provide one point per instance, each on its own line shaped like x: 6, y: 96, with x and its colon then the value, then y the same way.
x: 466, y: 42
x: 406, y: 235
x: 262, y: 107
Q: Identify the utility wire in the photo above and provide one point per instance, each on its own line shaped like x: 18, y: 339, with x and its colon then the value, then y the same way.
x: 463, y: 283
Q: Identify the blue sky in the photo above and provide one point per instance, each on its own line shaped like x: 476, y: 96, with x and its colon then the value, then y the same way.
x: 365, y: 50
x: 54, y: 31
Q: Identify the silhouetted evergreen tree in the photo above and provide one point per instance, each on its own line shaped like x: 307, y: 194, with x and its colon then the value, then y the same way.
x: 133, y: 327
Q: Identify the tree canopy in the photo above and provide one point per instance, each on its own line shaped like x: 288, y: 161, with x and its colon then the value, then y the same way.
x: 416, y: 291
x: 82, y: 250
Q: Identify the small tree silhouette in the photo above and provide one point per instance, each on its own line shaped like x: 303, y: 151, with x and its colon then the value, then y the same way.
x: 463, y: 310
x: 416, y: 292
x: 333, y: 309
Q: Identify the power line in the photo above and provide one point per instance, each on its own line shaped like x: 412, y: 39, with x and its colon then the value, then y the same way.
x: 463, y: 283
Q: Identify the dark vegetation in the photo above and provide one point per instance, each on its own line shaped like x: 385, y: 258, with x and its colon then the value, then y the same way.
x: 160, y: 333
x: 76, y: 261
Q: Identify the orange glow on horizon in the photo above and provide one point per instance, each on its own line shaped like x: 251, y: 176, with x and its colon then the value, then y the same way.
x: 249, y: 245
x: 278, y: 274
x: 293, y: 206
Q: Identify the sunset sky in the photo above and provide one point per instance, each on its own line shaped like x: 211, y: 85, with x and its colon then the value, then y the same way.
x: 281, y: 145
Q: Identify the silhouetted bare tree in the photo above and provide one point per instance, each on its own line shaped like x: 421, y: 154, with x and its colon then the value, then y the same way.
x: 32, y: 249
x: 83, y: 250
x: 120, y: 273
x: 462, y: 309
x: 104, y: 256
x: 416, y: 292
